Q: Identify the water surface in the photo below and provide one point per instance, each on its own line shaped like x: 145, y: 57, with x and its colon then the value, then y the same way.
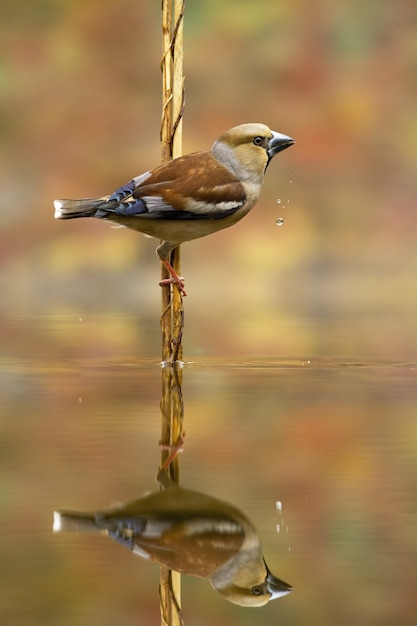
x: 326, y: 428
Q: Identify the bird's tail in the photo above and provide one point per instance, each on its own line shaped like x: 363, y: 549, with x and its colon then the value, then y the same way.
x: 65, y: 520
x: 69, y: 209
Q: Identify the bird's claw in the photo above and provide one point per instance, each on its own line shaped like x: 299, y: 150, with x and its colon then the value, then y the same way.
x: 177, y: 280
x: 173, y: 449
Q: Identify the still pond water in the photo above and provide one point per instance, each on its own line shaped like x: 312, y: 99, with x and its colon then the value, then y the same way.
x: 329, y: 433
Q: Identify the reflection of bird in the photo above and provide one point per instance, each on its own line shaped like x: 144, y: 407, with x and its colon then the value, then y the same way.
x: 192, y: 196
x: 191, y: 533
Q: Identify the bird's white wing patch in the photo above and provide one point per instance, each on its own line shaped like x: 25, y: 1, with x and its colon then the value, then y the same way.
x: 203, y: 526
x: 199, y: 206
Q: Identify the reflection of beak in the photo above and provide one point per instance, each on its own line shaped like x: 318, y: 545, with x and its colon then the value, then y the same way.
x: 278, y: 142
x: 276, y: 587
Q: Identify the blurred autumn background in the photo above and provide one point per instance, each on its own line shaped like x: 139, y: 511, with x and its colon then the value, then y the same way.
x: 80, y: 112
x: 80, y: 115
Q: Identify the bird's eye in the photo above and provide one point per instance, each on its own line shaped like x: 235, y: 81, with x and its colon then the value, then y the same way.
x: 257, y: 590
x: 258, y: 141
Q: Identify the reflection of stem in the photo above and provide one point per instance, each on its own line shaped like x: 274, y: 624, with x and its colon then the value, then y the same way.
x: 172, y: 412
x: 168, y: 616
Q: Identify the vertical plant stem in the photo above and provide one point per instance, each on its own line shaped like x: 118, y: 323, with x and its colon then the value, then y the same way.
x: 166, y: 155
x: 171, y: 430
x: 172, y: 318
x: 178, y: 102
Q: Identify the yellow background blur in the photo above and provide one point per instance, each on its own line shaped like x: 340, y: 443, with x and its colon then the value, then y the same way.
x: 80, y: 115
x: 80, y: 111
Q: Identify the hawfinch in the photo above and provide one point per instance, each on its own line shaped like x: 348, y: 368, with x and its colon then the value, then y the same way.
x: 191, y: 533
x: 191, y: 196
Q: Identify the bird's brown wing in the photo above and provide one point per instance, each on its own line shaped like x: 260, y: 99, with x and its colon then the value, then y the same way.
x: 186, y: 530
x: 196, y: 184
x: 196, y: 548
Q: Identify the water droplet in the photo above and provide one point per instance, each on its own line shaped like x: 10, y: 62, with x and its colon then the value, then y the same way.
x: 278, y: 505
x: 280, y: 221
x: 278, y: 528
x: 279, y: 200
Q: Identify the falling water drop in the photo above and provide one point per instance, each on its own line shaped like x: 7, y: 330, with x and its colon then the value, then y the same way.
x: 279, y: 200
x: 280, y: 221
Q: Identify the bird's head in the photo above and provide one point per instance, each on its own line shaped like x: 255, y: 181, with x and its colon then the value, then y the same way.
x: 247, y: 149
x: 246, y: 579
x: 258, y: 593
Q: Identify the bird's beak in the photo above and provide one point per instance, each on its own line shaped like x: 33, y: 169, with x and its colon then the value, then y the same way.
x: 278, y: 142
x: 276, y: 587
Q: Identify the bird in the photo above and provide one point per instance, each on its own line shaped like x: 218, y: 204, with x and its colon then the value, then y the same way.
x: 192, y: 533
x: 191, y: 196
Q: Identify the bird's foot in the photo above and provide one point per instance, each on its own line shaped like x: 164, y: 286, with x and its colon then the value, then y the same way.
x: 173, y: 449
x: 178, y: 281
x: 174, y: 278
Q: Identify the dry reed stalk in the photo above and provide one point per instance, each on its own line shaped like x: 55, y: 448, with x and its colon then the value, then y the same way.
x: 172, y: 318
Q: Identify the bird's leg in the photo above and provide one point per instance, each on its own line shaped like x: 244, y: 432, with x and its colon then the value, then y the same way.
x: 174, y: 449
x: 175, y: 279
